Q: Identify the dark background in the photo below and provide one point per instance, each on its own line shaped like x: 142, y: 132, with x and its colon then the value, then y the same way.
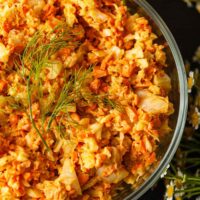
x: 184, y: 24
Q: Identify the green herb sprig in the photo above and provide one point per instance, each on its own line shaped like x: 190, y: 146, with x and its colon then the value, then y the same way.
x: 36, y: 55
x: 72, y: 92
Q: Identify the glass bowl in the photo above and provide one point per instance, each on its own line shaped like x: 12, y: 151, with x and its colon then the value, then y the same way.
x: 178, y: 96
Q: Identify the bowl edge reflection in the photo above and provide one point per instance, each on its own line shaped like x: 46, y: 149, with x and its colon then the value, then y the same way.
x: 182, y: 115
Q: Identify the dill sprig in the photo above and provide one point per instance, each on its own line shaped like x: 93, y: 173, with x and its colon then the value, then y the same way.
x: 35, y: 56
x: 74, y: 91
x: 63, y: 100
x: 101, y: 99
x: 113, y: 104
x: 31, y: 115
x: 69, y: 93
x: 42, y: 46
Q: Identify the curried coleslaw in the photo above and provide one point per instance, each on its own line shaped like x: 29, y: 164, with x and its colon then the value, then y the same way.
x: 83, y: 98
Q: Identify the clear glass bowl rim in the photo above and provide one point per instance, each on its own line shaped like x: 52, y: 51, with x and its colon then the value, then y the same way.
x: 182, y: 115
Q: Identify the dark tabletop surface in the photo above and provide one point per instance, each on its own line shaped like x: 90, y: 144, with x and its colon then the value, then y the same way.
x: 184, y: 24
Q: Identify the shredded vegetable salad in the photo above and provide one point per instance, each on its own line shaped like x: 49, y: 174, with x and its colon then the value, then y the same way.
x: 83, y: 98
